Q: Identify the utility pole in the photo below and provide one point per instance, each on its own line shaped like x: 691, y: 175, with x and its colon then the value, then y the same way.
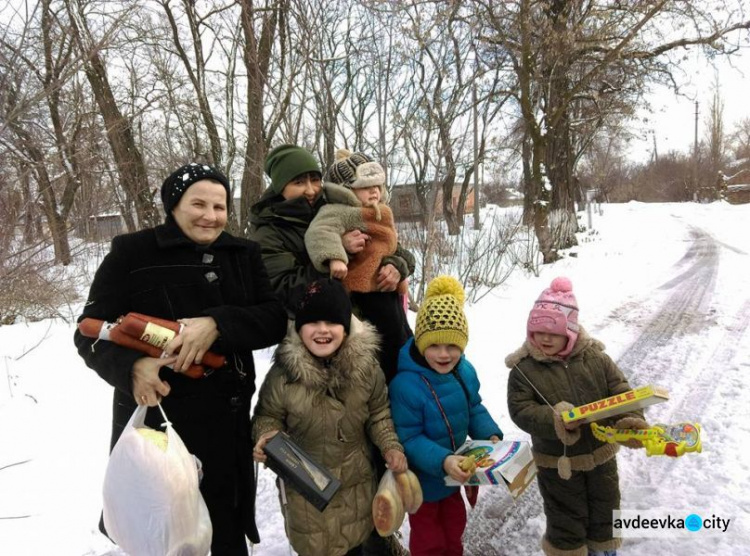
x: 477, y: 225
x: 695, y: 155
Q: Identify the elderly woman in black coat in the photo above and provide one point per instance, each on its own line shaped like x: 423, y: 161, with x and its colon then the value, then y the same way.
x: 189, y: 269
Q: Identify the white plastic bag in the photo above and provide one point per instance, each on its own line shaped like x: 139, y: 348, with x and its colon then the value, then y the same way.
x: 387, y: 506
x: 152, y: 504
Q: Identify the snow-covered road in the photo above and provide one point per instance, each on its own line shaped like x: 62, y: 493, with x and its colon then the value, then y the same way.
x: 688, y: 333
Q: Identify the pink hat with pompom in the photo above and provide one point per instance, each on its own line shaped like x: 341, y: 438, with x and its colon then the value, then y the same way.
x: 556, y: 312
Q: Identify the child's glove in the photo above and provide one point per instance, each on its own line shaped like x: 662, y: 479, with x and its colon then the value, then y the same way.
x: 631, y: 423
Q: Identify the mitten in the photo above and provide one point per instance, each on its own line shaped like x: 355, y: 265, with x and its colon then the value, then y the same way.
x: 567, y: 437
x: 631, y: 423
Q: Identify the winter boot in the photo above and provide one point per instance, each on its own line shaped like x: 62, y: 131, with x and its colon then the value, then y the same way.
x: 602, y: 552
x: 375, y: 545
x: 395, y: 548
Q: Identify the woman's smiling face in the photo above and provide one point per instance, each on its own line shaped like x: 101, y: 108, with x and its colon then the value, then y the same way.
x: 201, y: 213
x: 322, y: 338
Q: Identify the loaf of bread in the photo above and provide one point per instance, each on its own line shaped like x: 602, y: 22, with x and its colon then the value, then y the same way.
x: 387, y: 512
x: 410, y: 490
x: 157, y: 438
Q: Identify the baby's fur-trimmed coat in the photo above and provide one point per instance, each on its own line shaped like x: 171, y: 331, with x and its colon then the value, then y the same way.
x: 334, y: 411
x: 343, y: 214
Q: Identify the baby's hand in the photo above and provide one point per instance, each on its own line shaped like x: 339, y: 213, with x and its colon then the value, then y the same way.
x: 338, y: 269
x: 452, y: 466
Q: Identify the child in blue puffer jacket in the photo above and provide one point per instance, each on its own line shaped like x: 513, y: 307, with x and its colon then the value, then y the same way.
x: 435, y: 405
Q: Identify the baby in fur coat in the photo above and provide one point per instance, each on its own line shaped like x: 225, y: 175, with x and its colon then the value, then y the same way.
x: 356, y: 194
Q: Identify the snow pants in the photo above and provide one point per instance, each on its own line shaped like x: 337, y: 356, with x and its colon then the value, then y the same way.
x: 579, y: 510
x: 385, y: 312
x: 437, y: 527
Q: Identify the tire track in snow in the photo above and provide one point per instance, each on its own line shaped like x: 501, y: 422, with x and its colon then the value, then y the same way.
x: 500, y: 526
x: 684, y: 312
x: 691, y: 403
x: 712, y: 369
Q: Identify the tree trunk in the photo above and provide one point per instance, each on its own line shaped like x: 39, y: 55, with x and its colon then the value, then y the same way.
x: 534, y: 147
x: 559, y: 147
x: 30, y: 220
x: 449, y: 213
x: 128, y: 159
x: 55, y: 222
x: 256, y: 56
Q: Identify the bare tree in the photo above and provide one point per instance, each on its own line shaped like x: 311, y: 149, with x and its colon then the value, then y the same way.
x: 740, y: 139
x: 195, y: 66
x: 128, y: 158
x: 260, y: 26
x: 575, y: 59
x: 446, y: 67
x: 40, y: 67
x: 715, y: 139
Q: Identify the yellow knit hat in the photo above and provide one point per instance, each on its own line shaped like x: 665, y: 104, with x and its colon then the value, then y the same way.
x: 441, y: 318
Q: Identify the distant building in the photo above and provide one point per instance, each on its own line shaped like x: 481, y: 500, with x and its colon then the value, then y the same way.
x: 406, y: 207
x: 737, y: 186
x: 738, y: 194
x: 103, y: 227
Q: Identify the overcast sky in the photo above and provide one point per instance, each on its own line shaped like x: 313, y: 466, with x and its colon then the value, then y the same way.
x: 673, y: 119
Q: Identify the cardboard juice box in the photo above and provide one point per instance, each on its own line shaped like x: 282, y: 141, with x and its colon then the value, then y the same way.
x: 292, y: 464
x: 615, y: 405
x: 508, y: 463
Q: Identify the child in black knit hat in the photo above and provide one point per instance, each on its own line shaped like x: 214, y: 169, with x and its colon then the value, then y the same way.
x: 326, y: 391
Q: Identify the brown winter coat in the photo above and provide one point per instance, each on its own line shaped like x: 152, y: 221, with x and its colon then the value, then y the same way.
x: 343, y: 214
x: 334, y: 411
x: 587, y: 375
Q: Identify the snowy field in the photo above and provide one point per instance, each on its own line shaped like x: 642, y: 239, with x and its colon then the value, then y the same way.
x: 664, y: 286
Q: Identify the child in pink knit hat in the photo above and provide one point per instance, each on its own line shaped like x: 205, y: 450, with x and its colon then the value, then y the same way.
x: 558, y: 367
x: 553, y: 321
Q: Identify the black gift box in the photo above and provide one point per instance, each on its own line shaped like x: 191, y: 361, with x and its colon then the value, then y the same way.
x: 292, y: 464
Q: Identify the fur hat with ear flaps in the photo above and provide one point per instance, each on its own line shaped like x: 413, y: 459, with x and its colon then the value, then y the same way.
x: 355, y: 171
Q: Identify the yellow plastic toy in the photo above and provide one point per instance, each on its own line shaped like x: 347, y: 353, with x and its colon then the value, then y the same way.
x: 659, y: 440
